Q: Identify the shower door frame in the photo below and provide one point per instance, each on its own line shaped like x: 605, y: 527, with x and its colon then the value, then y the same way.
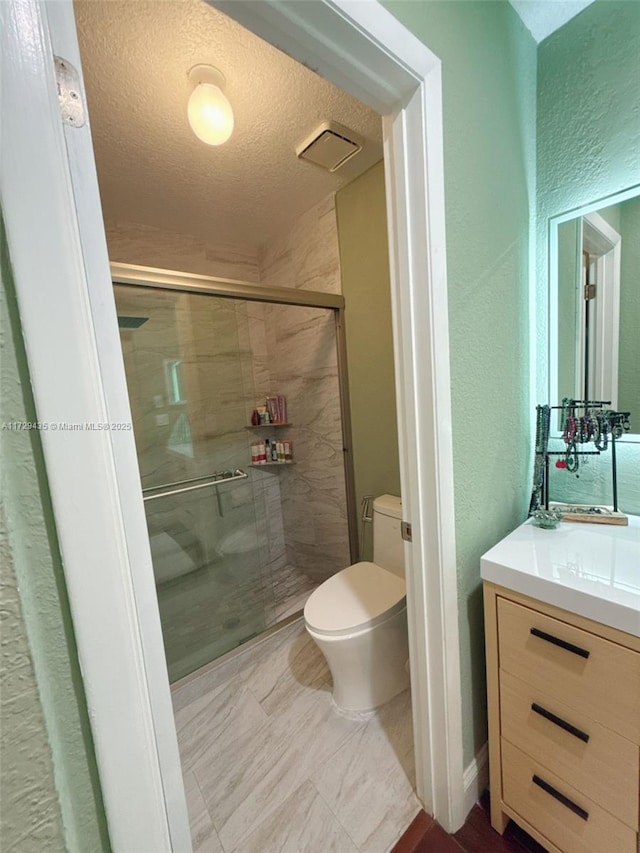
x: 134, y: 275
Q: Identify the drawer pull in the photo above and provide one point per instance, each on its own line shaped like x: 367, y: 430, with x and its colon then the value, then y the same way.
x: 558, y: 721
x: 569, y: 647
x: 574, y: 807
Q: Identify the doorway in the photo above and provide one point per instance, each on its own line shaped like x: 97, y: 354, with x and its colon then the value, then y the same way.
x: 376, y: 58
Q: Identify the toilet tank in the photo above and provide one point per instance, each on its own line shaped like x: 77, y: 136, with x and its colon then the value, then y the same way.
x: 388, y: 547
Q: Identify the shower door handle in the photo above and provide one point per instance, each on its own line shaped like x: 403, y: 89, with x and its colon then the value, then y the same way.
x: 220, y: 478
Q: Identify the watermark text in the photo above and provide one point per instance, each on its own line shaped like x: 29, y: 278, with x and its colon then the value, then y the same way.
x: 66, y: 426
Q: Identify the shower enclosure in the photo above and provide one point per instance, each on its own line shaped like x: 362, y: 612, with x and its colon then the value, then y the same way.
x: 236, y: 547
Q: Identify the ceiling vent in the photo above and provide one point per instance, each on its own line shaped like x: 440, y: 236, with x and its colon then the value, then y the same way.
x: 330, y: 146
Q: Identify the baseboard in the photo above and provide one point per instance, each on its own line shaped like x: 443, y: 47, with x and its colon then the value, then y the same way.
x: 476, y: 778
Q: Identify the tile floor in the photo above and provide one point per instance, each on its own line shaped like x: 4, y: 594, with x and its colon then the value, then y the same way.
x: 291, y: 588
x: 271, y: 765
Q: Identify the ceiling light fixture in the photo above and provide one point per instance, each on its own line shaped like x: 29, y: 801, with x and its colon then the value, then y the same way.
x: 209, y: 112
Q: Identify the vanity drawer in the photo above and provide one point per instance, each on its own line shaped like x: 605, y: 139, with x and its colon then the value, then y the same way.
x: 599, y: 678
x: 567, y: 818
x: 592, y: 759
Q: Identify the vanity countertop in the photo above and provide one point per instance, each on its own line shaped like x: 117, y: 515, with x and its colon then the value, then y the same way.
x: 592, y: 570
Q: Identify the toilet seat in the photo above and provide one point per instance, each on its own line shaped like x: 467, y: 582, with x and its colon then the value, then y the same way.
x: 360, y: 596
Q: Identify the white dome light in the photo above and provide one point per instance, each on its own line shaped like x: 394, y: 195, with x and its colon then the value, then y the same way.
x: 209, y: 112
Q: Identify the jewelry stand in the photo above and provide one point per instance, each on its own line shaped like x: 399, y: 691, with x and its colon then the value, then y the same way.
x: 597, y: 425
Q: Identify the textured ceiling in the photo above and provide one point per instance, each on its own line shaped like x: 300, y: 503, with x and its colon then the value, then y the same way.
x: 543, y: 17
x: 151, y: 167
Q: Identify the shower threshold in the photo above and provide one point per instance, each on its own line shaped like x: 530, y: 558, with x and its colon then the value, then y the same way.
x: 237, y: 651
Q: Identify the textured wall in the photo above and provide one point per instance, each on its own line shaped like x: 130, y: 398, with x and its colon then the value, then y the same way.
x: 488, y: 67
x: 364, y: 260
x: 588, y: 148
x: 49, y: 790
x: 30, y: 819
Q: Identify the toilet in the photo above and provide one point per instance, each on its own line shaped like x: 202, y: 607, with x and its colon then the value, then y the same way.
x: 358, y: 619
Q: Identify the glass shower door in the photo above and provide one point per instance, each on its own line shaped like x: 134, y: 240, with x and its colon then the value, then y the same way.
x: 190, y: 387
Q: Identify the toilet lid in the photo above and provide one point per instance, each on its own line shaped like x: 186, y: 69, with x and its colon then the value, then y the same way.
x: 360, y: 595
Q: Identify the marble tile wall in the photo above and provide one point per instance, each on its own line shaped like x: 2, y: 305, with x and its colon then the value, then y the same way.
x: 216, y: 541
x: 307, y: 254
x: 134, y: 243
x: 265, y: 485
x: 295, y: 354
x: 271, y: 341
x: 234, y: 354
x: 303, y: 365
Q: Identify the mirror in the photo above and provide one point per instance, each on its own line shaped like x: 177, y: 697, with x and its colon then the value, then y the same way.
x: 594, y: 304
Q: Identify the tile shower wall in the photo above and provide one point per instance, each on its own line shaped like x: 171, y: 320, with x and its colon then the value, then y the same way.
x: 189, y: 391
x: 134, y: 243
x: 303, y: 360
x: 306, y: 255
x: 252, y: 337
x: 283, y: 349
x: 201, y: 433
x: 295, y: 354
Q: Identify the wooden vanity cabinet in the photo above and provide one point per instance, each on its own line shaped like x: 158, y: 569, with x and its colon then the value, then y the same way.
x: 564, y: 725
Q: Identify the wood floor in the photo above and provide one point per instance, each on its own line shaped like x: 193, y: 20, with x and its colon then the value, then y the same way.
x: 424, y: 835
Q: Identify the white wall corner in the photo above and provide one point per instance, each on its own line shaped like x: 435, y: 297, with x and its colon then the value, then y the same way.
x: 476, y: 778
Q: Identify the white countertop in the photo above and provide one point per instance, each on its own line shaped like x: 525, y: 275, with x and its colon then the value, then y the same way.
x: 592, y: 570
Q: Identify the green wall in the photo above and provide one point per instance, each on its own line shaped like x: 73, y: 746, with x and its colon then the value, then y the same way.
x: 364, y: 263
x: 588, y: 147
x: 49, y: 788
x: 489, y: 77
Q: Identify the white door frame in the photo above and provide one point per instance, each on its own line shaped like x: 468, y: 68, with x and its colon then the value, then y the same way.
x: 604, y: 245
x: 50, y: 199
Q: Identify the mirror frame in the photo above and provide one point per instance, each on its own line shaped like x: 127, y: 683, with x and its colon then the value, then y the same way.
x: 552, y: 354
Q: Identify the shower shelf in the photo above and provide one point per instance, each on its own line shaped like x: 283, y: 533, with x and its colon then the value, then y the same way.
x: 266, y: 426
x: 271, y: 464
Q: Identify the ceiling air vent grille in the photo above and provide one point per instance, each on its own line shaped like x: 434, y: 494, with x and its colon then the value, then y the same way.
x: 330, y: 146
